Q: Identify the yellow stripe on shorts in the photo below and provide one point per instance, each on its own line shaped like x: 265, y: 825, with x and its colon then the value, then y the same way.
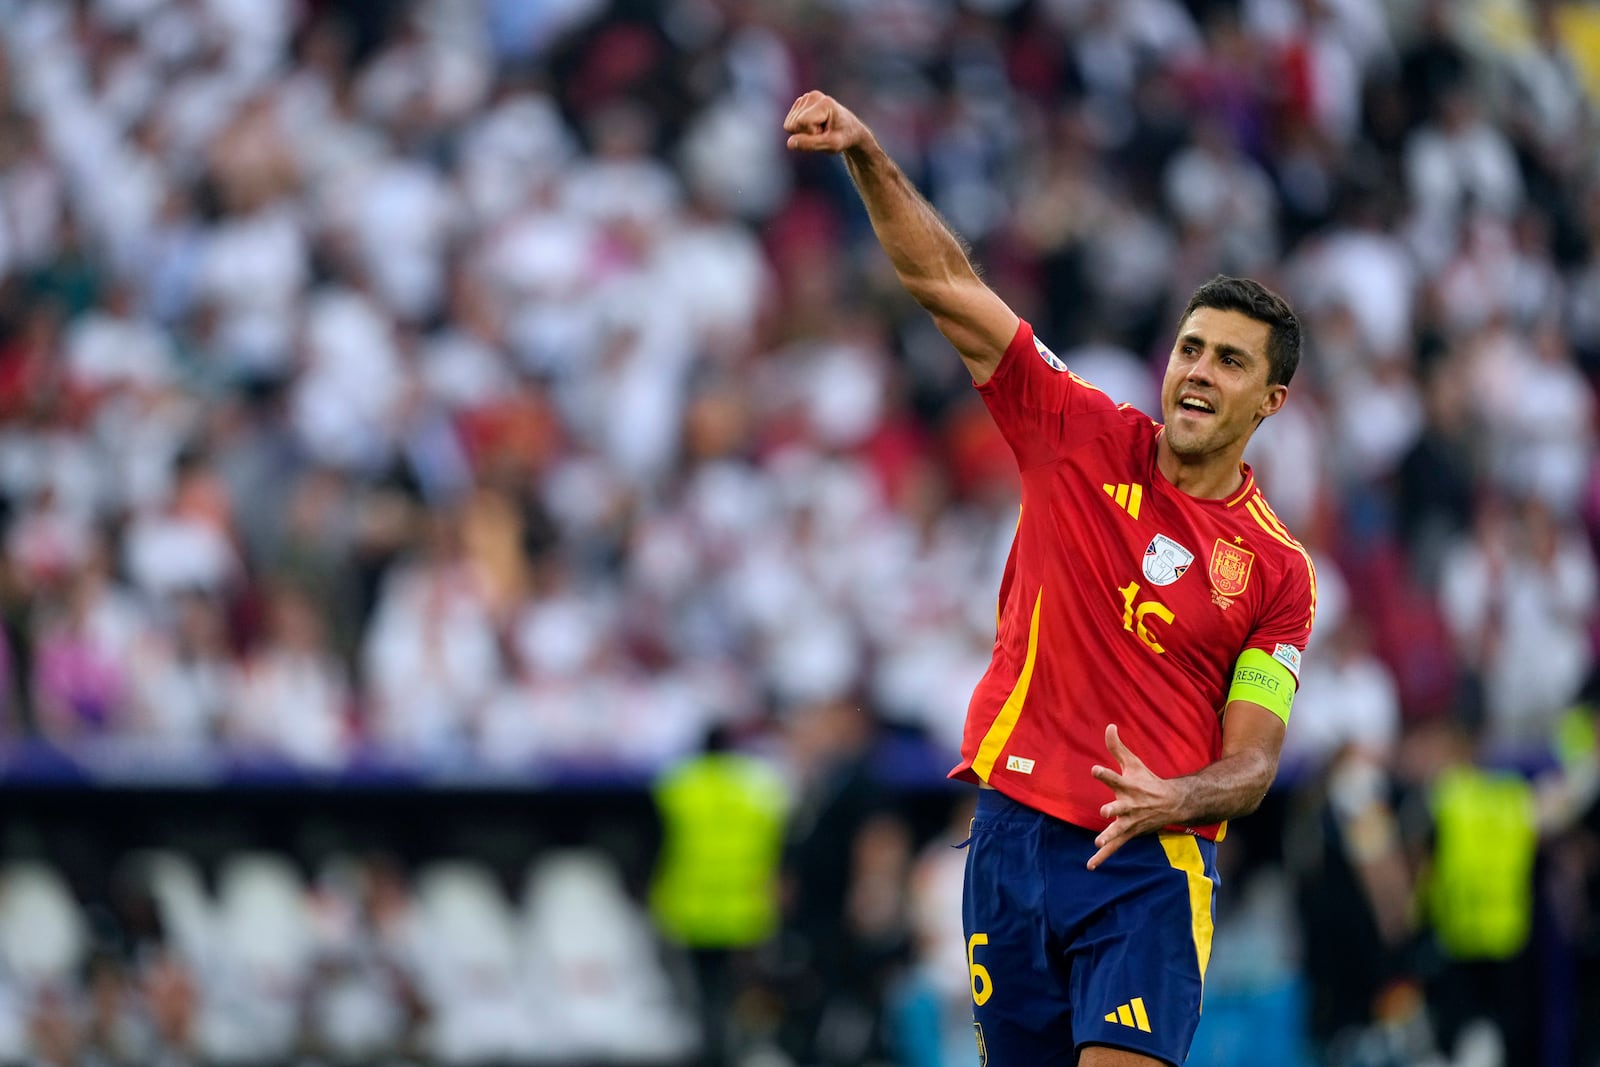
x: 1183, y: 852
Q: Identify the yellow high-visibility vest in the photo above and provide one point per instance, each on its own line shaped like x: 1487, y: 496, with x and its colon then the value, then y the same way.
x: 1574, y: 741
x: 716, y: 880
x: 1480, y: 894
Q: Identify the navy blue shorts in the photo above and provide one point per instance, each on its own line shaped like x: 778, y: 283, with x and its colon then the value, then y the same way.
x: 1061, y: 956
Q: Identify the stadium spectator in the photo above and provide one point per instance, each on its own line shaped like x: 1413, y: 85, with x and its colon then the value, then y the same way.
x: 715, y: 889
x: 182, y: 675
x: 831, y: 971
x: 1355, y: 894
x: 1480, y: 914
x: 291, y: 697
x: 1520, y: 600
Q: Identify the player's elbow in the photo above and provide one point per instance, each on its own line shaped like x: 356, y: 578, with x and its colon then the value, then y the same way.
x: 1258, y: 780
x: 1244, y: 802
x: 1252, y: 801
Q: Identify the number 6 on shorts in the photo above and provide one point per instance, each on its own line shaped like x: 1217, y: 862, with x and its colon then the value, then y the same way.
x: 981, y: 985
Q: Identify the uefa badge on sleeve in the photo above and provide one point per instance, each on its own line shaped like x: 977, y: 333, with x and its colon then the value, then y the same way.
x: 1048, y: 356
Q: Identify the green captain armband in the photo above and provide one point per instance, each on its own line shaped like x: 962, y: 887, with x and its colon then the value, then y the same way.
x: 1261, y: 679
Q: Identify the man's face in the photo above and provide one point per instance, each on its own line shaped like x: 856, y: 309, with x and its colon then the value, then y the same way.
x: 1215, y: 389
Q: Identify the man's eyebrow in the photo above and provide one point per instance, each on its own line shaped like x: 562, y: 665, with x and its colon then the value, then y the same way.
x: 1223, y: 348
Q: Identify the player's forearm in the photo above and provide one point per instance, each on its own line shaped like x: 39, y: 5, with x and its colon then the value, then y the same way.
x: 1233, y: 786
x: 929, y: 259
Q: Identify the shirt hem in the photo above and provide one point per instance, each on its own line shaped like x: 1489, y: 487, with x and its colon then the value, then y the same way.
x: 1068, y: 813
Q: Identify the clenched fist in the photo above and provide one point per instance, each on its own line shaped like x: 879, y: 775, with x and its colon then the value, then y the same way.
x: 819, y: 123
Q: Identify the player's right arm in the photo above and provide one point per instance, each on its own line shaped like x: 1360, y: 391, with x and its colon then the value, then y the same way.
x: 930, y: 260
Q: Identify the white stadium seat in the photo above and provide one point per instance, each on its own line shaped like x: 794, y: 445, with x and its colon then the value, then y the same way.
x: 264, y: 947
x: 467, y: 963
x: 594, y: 961
x: 43, y: 937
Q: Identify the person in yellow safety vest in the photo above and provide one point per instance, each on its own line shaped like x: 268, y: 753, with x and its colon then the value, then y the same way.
x: 1478, y: 897
x: 1486, y: 830
x: 1576, y: 872
x: 715, y: 890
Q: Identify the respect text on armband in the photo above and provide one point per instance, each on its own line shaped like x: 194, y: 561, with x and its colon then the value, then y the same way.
x: 1256, y: 677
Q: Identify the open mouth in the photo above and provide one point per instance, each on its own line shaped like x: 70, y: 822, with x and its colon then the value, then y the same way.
x: 1194, y: 405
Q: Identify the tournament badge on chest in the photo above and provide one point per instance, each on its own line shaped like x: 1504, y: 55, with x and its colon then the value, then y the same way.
x: 1165, y: 560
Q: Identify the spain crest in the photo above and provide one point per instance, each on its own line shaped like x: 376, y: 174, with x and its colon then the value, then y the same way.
x: 1230, y: 568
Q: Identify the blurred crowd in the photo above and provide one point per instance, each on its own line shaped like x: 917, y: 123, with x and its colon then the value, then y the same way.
x: 363, y: 962
x: 479, y: 385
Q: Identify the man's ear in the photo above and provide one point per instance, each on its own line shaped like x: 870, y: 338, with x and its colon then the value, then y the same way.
x: 1273, y: 401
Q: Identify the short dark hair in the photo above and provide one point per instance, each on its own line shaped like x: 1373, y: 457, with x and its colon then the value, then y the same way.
x: 1249, y: 297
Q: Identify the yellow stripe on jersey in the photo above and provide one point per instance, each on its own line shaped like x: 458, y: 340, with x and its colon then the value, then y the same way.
x: 1005, y: 722
x: 1183, y: 852
x: 1271, y: 526
x: 1244, y: 491
x: 1268, y: 521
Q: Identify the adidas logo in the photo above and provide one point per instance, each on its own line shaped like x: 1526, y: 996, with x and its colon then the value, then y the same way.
x: 1127, y: 497
x: 1132, y: 1013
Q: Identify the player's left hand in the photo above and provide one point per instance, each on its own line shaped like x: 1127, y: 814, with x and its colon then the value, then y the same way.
x: 1144, y: 802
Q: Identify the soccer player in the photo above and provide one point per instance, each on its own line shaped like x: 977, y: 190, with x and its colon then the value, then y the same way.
x: 1151, y: 620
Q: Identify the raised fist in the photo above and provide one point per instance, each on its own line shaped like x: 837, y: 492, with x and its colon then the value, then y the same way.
x: 819, y: 123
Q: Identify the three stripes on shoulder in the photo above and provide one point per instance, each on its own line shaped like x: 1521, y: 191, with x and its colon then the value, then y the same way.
x: 1126, y: 496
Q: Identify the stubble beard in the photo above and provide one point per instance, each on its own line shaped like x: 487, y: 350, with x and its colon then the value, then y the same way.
x: 1191, y: 443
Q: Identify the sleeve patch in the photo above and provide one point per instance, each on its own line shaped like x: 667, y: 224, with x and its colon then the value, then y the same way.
x: 1048, y: 356
x: 1289, y: 656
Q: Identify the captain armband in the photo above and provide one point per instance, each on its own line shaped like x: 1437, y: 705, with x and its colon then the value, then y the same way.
x: 1261, y: 679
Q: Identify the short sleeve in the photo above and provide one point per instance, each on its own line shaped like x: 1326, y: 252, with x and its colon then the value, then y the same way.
x: 1044, y: 410
x: 1285, y: 627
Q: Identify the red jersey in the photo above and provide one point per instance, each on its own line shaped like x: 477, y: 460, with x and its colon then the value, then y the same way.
x: 1124, y: 600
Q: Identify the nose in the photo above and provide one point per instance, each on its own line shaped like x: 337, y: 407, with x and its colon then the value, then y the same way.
x: 1204, y: 368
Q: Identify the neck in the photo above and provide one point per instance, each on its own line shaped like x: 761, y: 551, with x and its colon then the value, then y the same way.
x: 1212, y: 477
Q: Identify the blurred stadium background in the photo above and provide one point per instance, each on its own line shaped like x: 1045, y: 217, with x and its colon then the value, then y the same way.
x: 424, y: 424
